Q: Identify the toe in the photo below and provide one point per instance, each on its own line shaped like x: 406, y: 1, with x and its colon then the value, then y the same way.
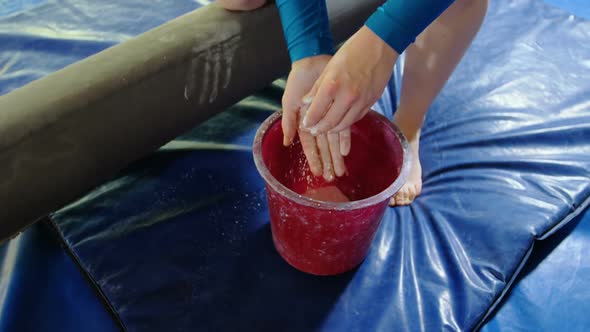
x: 401, y: 196
x: 418, y: 188
x: 397, y: 198
x: 406, y: 196
x: 392, y: 201
x: 411, y: 193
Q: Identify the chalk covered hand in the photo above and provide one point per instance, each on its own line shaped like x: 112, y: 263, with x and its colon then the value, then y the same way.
x: 350, y: 84
x: 324, y: 153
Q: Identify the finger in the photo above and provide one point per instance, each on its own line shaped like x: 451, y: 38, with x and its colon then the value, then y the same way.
x: 307, y: 100
x: 345, y: 141
x: 314, y: 90
x: 325, y: 156
x: 355, y: 113
x: 308, y: 143
x: 340, y: 107
x: 289, y: 124
x: 322, y: 100
x: 337, y: 160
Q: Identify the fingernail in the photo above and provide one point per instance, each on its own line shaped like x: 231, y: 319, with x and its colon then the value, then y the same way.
x: 344, y: 149
x: 328, y: 177
x: 316, y: 171
x: 339, y: 171
x: 328, y: 174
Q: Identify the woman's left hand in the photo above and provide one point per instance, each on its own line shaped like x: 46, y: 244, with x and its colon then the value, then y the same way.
x: 324, y: 153
x: 351, y: 83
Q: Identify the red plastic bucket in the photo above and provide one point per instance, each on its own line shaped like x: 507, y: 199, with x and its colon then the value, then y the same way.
x: 327, y: 228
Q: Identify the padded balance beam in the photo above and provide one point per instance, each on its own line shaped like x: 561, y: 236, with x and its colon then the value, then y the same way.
x: 66, y: 133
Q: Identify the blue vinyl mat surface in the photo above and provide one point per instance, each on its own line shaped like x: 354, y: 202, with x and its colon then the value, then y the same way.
x: 180, y: 241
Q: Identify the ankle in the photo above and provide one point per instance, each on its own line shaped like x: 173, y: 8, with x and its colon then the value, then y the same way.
x: 410, y: 127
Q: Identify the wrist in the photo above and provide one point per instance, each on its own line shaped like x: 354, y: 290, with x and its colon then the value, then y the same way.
x: 311, y: 61
x: 379, y: 45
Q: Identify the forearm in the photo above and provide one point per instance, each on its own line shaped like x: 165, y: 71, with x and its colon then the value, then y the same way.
x: 306, y: 27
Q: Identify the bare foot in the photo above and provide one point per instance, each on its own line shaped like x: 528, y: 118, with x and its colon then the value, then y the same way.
x: 241, y: 5
x: 413, y: 186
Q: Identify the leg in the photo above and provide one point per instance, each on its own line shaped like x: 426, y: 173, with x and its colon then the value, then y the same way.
x: 428, y: 65
x: 241, y: 5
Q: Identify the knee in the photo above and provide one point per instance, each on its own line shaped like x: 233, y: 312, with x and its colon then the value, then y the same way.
x: 476, y: 5
x: 481, y: 8
x: 241, y: 5
x: 462, y: 10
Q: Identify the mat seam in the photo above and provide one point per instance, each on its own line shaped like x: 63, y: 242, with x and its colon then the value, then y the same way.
x: 86, y: 274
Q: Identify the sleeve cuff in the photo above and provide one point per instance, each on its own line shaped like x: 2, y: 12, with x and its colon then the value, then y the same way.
x: 390, y: 31
x: 310, y: 47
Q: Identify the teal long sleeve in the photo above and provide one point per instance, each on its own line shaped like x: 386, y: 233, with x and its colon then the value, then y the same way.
x: 306, y: 28
x: 397, y: 22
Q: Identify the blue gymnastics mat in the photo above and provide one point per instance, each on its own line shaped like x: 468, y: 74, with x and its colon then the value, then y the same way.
x: 181, y: 239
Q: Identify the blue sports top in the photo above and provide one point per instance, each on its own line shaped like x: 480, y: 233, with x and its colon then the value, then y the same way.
x: 397, y: 22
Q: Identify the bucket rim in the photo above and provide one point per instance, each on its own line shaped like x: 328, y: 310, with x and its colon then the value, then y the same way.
x: 376, y: 199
